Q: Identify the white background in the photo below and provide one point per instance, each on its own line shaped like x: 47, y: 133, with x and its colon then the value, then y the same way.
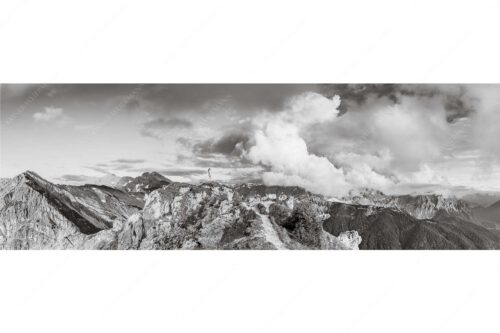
x: 249, y: 41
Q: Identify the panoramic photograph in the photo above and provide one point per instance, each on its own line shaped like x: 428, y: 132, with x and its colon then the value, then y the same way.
x: 249, y: 166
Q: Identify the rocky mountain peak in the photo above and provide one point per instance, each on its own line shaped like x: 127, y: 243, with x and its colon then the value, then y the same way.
x: 35, y: 213
x: 365, y: 196
x: 27, y: 178
x: 420, y: 206
x: 155, y: 175
x: 27, y: 175
x: 145, y: 183
x: 152, y: 212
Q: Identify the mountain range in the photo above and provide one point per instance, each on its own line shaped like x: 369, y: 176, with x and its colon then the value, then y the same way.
x: 153, y: 212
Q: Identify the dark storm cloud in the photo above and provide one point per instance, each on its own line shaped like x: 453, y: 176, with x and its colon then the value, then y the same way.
x: 17, y: 93
x: 243, y: 97
x: 457, y: 107
x: 231, y: 144
x: 132, y: 104
x: 153, y: 127
x: 358, y: 93
x: 163, y: 98
x: 175, y: 99
x: 222, y: 152
x: 456, y: 100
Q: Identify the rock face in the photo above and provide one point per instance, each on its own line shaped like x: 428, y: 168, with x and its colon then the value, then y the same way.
x: 214, y: 216
x: 425, y: 206
x: 386, y: 228
x: 145, y: 183
x: 35, y: 214
x: 151, y: 212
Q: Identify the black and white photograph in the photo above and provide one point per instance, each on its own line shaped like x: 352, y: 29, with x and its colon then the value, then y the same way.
x: 249, y: 166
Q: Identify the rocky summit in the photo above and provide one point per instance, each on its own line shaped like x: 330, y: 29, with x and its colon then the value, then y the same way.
x: 420, y: 206
x: 36, y: 214
x: 146, y: 183
x: 152, y: 212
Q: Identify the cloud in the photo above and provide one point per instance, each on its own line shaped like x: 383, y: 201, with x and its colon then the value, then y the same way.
x: 121, y: 164
x: 412, y: 133
x: 429, y: 134
x: 175, y: 98
x: 399, y: 137
x: 455, y: 99
x: 157, y: 128
x: 485, y: 123
x: 277, y: 144
x: 122, y: 167
x: 132, y: 104
x: 51, y: 115
x: 75, y: 178
x: 310, y: 144
x: 129, y: 160
x: 212, y: 160
x: 108, y: 179
x: 231, y: 144
x: 99, y: 169
x: 425, y: 175
x: 380, y: 135
x: 366, y: 170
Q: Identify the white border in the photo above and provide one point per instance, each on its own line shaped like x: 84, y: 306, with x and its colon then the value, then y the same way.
x: 239, y: 42
x: 223, y: 41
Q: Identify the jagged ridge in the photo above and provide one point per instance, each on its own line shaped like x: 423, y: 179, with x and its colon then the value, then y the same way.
x: 167, y: 215
x: 175, y: 215
x: 420, y: 206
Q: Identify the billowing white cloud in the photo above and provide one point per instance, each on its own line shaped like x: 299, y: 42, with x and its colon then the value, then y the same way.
x: 308, y: 144
x: 280, y: 147
x: 408, y: 134
x: 51, y: 115
x: 278, y: 144
x: 413, y: 134
x: 420, y: 139
x: 425, y: 175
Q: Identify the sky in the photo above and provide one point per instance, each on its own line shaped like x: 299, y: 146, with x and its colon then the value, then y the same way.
x: 327, y: 138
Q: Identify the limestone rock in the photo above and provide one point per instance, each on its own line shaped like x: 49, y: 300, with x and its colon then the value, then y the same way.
x: 35, y: 214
